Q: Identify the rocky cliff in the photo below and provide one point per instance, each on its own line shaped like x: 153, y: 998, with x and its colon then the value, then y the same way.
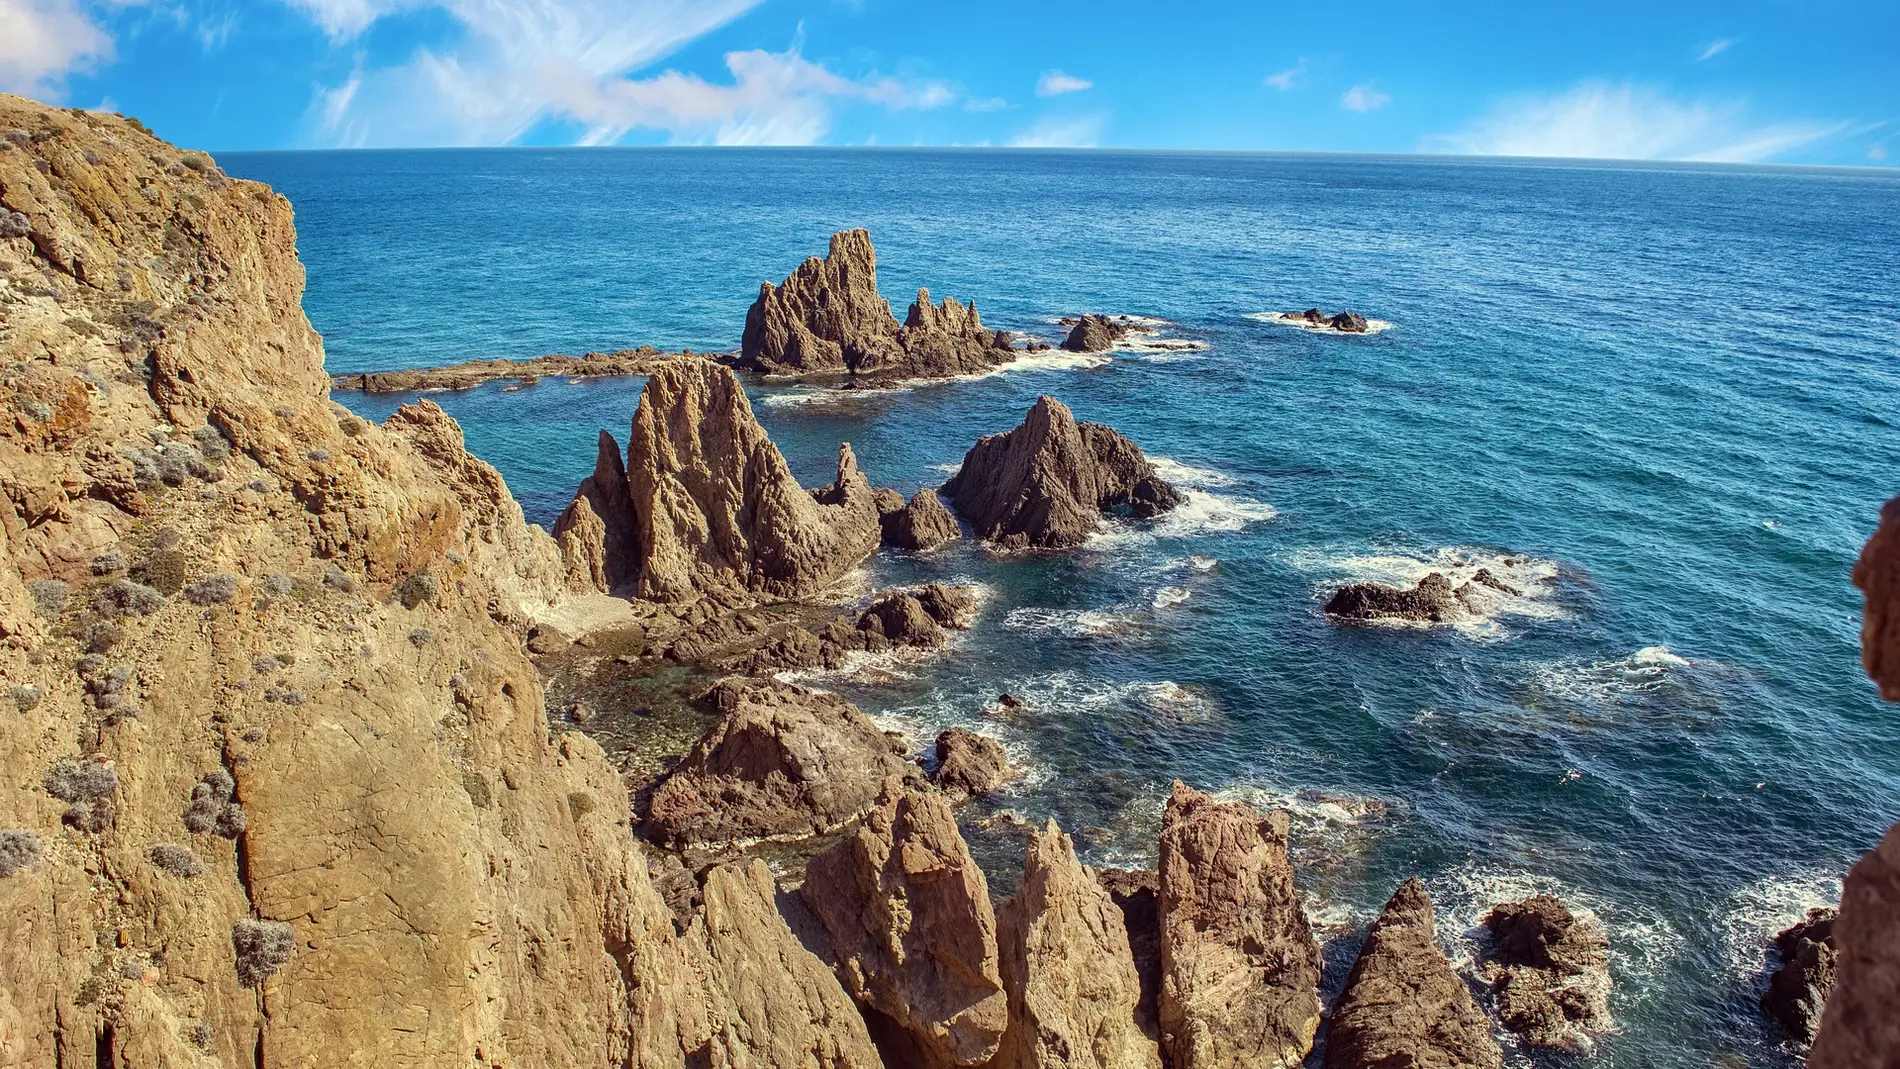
x: 1047, y: 483
x: 828, y: 318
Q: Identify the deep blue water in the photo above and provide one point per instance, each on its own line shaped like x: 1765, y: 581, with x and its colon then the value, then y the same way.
x: 1669, y: 393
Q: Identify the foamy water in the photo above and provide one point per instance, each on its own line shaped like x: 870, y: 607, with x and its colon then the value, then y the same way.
x: 1290, y: 319
x: 1481, y: 609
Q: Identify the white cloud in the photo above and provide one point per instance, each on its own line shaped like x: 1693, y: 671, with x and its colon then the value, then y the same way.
x: 41, y: 41
x: 1056, y: 83
x: 1877, y: 153
x: 1081, y: 132
x: 1288, y: 78
x: 522, y: 62
x: 1597, y: 120
x: 986, y: 104
x: 1363, y: 97
x: 1714, y: 49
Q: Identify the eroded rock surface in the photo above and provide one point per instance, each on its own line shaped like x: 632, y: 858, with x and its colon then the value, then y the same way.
x: 969, y: 764
x: 1240, y: 969
x: 1858, y: 1025
x: 1403, y: 1007
x: 1550, y: 971
x: 1429, y: 601
x: 1877, y: 574
x: 920, y: 525
x: 908, y: 916
x: 1797, y: 992
x: 1047, y: 483
x: 828, y: 318
x: 1094, y: 334
x: 782, y: 761
x: 1065, y: 960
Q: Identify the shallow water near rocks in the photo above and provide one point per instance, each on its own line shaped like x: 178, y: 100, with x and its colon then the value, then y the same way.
x: 1670, y: 391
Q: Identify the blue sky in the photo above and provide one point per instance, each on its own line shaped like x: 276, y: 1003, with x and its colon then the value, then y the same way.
x: 1740, y: 80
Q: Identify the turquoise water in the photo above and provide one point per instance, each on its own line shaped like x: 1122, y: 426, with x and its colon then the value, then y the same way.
x: 1669, y: 394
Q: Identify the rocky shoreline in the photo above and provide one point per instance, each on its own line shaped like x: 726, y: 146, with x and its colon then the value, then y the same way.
x: 524, y: 373
x: 301, y: 761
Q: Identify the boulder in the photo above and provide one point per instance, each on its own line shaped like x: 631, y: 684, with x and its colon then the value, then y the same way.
x: 1403, y: 1006
x: 1047, y: 483
x: 1348, y: 323
x: 1094, y: 334
x: 921, y: 525
x: 1311, y: 315
x: 712, y: 505
x: 1066, y: 963
x: 782, y: 762
x: 828, y: 318
x: 969, y: 764
x: 908, y: 917
x: 1877, y: 574
x: 1550, y: 972
x: 1430, y: 601
x: 1797, y: 993
x: 1239, y: 967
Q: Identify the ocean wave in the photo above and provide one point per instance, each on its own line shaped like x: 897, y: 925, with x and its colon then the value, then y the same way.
x: 1200, y: 512
x: 1753, y: 916
x: 1170, y: 596
x: 1481, y: 608
x: 1148, y: 337
x: 1650, y: 668
x: 1289, y: 319
x: 805, y: 394
x: 1324, y: 828
x: 1182, y: 474
x: 1643, y: 943
x: 1071, y: 623
x: 1202, y: 563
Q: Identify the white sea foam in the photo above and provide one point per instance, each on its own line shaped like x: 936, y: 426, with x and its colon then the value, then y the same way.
x: 1148, y: 337
x: 1202, y: 564
x: 1324, y: 827
x: 1647, y: 669
x: 1757, y: 913
x: 1292, y: 319
x: 1643, y: 943
x: 804, y: 394
x: 1071, y: 623
x: 1183, y: 474
x: 1480, y: 608
x: 1200, y: 512
x: 1170, y: 596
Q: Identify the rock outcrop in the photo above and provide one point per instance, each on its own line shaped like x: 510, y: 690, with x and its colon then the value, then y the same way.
x: 1047, y: 483
x: 1066, y: 963
x: 920, y: 525
x: 968, y: 764
x: 1403, y: 1007
x: 1797, y: 992
x: 1137, y: 893
x: 1094, y: 334
x: 713, y: 506
x: 1877, y: 574
x: 1347, y: 322
x: 827, y: 318
x: 1239, y: 966
x: 908, y: 917
x: 1429, y: 601
x: 782, y: 762
x: 1550, y: 972
x: 472, y: 373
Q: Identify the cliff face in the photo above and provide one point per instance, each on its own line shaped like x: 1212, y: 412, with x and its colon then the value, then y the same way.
x: 215, y: 580
x: 828, y: 318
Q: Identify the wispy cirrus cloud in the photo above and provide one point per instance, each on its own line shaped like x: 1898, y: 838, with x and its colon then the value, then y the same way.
x: 1056, y: 83
x: 1599, y: 120
x: 1363, y: 97
x: 1287, y: 79
x: 523, y: 62
x: 1074, y: 132
x: 1714, y: 49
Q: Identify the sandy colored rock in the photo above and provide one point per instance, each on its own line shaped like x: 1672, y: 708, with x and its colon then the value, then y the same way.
x: 908, y: 916
x: 1859, y: 1027
x: 472, y: 373
x: 920, y: 525
x: 597, y: 531
x: 1047, y: 483
x: 1403, y: 1007
x: 1066, y: 963
x: 969, y: 764
x: 1240, y: 969
x: 781, y: 762
x: 1550, y: 972
x: 827, y: 318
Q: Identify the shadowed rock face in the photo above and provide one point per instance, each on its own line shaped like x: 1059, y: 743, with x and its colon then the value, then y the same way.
x: 709, y: 505
x: 1877, y: 574
x: 1047, y: 483
x: 921, y: 525
x: 828, y: 318
x: 1550, y: 970
x: 909, y: 919
x: 1094, y: 334
x: 1403, y: 1006
x: 1066, y: 962
x: 1798, y: 991
x: 1240, y: 969
x: 782, y: 761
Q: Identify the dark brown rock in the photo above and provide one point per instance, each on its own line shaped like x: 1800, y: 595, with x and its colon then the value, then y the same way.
x: 1348, y: 323
x: 921, y: 525
x: 1136, y: 892
x: 1047, y: 483
x: 782, y: 762
x: 1858, y: 1026
x: 472, y: 373
x: 828, y: 318
x: 908, y: 916
x: 1431, y: 601
x: 1797, y: 993
x: 1403, y: 1006
x: 1550, y: 971
x: 1094, y: 334
x: 969, y: 764
x: 1877, y: 574
x: 1239, y: 966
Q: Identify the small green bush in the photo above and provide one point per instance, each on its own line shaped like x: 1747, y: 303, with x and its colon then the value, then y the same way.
x: 163, y: 571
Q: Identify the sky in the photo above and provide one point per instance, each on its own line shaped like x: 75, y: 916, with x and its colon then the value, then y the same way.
x: 1783, y: 81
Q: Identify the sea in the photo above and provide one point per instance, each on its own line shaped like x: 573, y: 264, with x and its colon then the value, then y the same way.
x: 1661, y: 402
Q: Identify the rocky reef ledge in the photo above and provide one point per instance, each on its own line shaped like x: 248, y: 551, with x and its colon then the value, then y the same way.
x: 472, y: 373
